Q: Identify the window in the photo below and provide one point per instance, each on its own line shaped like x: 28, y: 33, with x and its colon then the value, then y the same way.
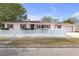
x: 9, y: 25
x: 48, y: 26
x: 23, y: 26
x: 43, y: 26
x: 57, y: 26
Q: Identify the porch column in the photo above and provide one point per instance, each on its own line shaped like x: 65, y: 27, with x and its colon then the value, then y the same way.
x: 5, y: 25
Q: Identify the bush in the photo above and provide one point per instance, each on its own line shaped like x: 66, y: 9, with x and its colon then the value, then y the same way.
x: 4, y: 28
x: 26, y: 29
x: 1, y: 25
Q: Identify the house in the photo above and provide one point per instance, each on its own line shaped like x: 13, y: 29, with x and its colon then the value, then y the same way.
x: 39, y: 29
x: 34, y: 25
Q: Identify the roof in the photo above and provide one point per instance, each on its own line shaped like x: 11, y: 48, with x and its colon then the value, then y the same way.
x: 22, y: 21
x: 38, y: 22
x: 26, y: 22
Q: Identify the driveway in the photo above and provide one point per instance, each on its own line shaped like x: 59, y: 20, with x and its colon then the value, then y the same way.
x: 39, y: 51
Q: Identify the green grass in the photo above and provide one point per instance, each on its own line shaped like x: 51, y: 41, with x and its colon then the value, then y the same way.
x: 44, y: 41
x: 4, y: 38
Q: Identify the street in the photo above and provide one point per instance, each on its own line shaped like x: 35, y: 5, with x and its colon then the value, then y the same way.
x: 39, y: 51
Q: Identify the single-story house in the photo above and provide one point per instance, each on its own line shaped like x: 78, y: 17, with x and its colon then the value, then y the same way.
x: 39, y: 29
x: 34, y: 25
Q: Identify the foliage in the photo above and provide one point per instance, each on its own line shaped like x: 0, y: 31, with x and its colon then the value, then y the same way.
x: 71, y: 20
x: 49, y: 19
x: 11, y: 11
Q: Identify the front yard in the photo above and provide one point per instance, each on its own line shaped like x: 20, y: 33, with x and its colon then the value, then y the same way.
x: 42, y: 42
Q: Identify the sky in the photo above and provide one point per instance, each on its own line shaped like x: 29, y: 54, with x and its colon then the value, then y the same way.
x: 62, y: 11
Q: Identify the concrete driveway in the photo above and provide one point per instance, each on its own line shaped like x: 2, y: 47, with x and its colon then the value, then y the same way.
x: 39, y: 51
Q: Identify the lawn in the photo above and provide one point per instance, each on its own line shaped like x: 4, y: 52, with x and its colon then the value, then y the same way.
x: 23, y: 42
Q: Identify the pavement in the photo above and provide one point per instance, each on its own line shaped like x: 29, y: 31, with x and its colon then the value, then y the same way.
x: 39, y: 51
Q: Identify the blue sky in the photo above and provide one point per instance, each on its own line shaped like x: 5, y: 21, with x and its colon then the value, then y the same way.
x: 36, y: 11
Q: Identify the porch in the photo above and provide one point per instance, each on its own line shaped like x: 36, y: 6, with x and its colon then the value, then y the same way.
x: 27, y: 26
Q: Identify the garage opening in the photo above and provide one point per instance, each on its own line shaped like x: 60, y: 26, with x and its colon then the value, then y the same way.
x: 68, y: 28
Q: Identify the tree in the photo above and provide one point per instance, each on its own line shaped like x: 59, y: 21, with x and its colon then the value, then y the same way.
x: 23, y: 18
x: 11, y: 11
x: 49, y: 19
x: 55, y: 20
x: 71, y: 20
x: 46, y: 19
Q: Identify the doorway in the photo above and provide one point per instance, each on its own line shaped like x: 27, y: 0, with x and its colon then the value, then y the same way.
x: 32, y: 26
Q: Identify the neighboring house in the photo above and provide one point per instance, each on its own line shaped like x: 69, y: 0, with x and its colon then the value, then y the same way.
x: 34, y: 25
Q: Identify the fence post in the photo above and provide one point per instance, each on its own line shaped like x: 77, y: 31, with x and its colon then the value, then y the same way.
x: 13, y: 33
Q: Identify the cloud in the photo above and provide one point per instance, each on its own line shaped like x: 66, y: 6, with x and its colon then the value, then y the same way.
x: 38, y: 17
x: 75, y: 15
x: 34, y: 17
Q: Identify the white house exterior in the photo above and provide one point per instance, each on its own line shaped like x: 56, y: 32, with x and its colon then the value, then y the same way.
x: 39, y: 29
x: 34, y: 25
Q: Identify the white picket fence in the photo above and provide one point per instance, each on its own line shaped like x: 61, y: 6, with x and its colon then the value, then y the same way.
x: 32, y: 33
